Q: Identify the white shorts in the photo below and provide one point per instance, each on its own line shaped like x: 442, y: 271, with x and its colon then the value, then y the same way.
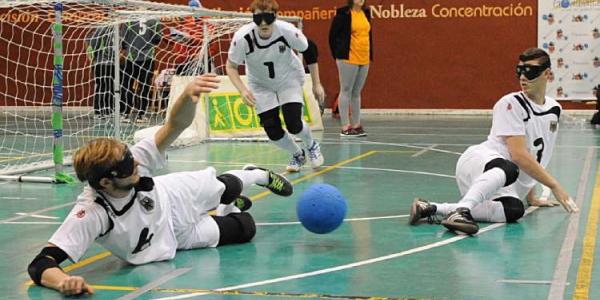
x: 192, y: 195
x: 267, y: 99
x: 472, y: 163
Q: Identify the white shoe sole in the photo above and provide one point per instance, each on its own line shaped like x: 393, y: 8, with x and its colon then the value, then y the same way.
x: 317, y: 162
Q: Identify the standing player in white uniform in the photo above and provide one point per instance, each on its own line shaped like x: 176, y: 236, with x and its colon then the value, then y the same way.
x: 141, y: 219
x: 275, y: 79
x: 495, y: 175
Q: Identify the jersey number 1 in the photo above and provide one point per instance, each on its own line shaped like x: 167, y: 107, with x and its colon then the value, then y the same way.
x: 271, y: 68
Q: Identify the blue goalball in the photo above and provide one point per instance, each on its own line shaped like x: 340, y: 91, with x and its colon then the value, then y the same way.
x: 321, y: 208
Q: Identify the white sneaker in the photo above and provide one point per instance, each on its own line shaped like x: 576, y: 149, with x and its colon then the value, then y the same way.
x: 315, y: 156
x: 296, y: 163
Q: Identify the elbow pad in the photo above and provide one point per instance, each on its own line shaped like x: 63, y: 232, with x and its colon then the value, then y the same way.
x: 49, y: 257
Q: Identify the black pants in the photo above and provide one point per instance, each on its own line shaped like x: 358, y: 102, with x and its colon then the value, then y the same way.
x: 142, y: 72
x: 104, y: 82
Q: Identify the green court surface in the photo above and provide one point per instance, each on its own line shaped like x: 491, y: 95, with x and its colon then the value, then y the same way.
x: 548, y: 254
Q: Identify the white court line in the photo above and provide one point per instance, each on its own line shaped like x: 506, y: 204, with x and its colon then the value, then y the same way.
x: 37, y: 212
x: 424, y: 150
x: 521, y: 281
x: 17, y: 198
x: 323, y: 166
x: 347, y: 266
x: 345, y: 220
x: 35, y: 216
x: 411, y: 146
x: 565, y: 256
x: 421, y: 134
x: 154, y: 284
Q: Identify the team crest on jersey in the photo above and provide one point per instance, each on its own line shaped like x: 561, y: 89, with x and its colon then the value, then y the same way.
x: 553, y: 126
x: 281, y: 48
x: 80, y: 214
x: 147, y: 203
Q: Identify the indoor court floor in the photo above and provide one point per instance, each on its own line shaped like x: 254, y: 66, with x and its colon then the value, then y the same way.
x: 375, y: 254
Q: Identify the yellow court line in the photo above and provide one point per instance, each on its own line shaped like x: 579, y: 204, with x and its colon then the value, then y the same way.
x: 396, y: 151
x: 237, y: 293
x: 81, y: 264
x: 104, y: 254
x: 584, y: 273
x: 311, y: 175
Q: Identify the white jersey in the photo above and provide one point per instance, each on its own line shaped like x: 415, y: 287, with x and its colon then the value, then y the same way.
x: 269, y: 62
x: 137, y: 228
x: 516, y: 115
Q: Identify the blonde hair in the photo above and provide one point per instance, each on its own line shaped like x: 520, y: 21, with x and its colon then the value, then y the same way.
x: 264, y: 5
x: 95, y: 158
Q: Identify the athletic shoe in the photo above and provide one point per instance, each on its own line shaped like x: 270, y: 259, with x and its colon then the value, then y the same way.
x: 296, y: 163
x: 461, y: 220
x: 360, y: 131
x: 243, y: 203
x: 350, y: 132
x: 421, y: 209
x: 314, y: 154
x: 278, y: 184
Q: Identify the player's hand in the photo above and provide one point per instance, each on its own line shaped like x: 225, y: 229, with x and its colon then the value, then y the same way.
x: 567, y: 202
x: 74, y: 285
x: 543, y: 203
x: 319, y: 93
x: 201, y: 84
x: 248, y: 98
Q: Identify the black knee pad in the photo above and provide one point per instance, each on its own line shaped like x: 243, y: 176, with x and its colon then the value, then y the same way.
x: 292, y: 114
x: 513, y: 208
x: 235, y: 228
x: 510, y: 169
x: 233, y: 187
x: 272, y: 126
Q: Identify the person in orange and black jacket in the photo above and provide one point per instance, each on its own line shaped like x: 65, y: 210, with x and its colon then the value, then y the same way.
x: 351, y: 43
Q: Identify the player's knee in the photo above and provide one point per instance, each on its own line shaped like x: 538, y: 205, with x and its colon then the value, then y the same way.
x: 292, y: 114
x: 247, y: 225
x: 510, y: 169
x: 273, y: 128
x: 294, y: 126
x: 233, y: 187
x: 235, y: 228
x: 513, y: 208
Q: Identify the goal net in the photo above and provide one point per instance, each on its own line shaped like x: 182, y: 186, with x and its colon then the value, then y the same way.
x: 72, y: 71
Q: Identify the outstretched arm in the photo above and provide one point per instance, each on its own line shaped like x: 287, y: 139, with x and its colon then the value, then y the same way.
x: 184, y: 109
x: 44, y: 271
x: 527, y: 163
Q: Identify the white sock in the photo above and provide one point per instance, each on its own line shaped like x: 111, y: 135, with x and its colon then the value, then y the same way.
x: 443, y: 209
x: 483, y: 187
x: 489, y: 211
x: 248, y: 178
x: 225, y: 209
x: 306, y: 135
x: 287, y: 143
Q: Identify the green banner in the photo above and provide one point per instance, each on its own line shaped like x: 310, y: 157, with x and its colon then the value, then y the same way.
x: 228, y: 113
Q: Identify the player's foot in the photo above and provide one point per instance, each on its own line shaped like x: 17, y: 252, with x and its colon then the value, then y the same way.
x: 314, y: 154
x: 350, y: 132
x: 360, y: 132
x: 461, y: 220
x: 296, y: 163
x: 421, y: 209
x: 278, y: 184
x: 243, y: 203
